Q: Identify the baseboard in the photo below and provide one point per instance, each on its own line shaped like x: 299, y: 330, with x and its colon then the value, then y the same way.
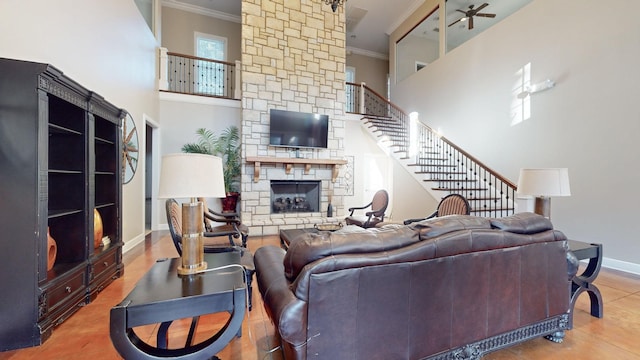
x: 621, y: 265
x: 133, y: 243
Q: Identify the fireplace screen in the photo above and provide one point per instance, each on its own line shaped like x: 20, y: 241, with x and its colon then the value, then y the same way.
x: 294, y: 196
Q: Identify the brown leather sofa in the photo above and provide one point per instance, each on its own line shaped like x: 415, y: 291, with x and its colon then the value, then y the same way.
x: 454, y: 287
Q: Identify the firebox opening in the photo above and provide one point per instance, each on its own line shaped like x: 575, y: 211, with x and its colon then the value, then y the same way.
x: 295, y: 196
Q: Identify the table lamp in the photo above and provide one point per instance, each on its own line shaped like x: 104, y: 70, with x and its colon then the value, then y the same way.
x: 188, y: 175
x: 543, y: 184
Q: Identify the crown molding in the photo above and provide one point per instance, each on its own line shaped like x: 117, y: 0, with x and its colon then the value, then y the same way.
x: 200, y: 10
x: 410, y: 10
x: 368, y: 53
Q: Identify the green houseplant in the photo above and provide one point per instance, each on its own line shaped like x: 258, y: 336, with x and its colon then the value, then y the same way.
x: 227, y: 147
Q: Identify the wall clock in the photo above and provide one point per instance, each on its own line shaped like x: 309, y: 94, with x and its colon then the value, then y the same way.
x: 130, y: 148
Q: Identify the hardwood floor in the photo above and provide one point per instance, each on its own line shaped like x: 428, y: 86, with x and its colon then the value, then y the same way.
x: 86, y: 334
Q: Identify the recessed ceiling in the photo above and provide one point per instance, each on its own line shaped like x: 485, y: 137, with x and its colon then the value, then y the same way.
x: 369, y: 22
x: 231, y: 7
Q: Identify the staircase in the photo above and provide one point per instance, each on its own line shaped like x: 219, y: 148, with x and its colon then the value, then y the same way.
x: 443, y: 167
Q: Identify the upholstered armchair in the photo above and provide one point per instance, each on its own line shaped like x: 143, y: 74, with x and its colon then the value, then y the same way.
x: 452, y: 204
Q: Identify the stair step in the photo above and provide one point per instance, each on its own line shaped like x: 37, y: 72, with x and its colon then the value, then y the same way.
x: 492, y: 209
x: 397, y: 130
x: 441, y: 172
x: 458, y: 189
x: 386, y: 127
x: 371, y: 117
x: 435, y: 165
x: 483, y: 199
x: 453, y: 180
x: 385, y: 123
x: 433, y: 159
x: 389, y: 133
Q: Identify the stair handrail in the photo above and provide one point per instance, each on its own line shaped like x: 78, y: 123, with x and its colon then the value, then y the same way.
x: 471, y: 157
x: 375, y: 95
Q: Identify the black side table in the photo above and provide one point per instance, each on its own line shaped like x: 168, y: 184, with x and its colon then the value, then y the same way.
x: 162, y: 296
x: 584, y: 281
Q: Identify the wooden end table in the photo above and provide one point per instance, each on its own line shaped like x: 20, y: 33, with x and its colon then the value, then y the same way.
x: 162, y: 296
x: 584, y: 281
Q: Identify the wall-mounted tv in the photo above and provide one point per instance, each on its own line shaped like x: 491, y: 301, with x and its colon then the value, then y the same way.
x: 297, y: 129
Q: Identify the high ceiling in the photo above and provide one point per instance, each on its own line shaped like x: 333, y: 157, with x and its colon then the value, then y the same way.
x: 369, y: 22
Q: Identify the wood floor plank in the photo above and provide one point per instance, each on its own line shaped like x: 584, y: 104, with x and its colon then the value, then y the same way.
x: 86, y: 334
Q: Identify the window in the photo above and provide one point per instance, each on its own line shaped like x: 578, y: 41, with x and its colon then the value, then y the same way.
x: 210, y: 76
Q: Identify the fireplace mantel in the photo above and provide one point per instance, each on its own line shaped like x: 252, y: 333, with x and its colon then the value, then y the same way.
x: 289, y: 162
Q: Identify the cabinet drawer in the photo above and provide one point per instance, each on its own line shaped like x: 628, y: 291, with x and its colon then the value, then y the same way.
x: 103, y: 263
x: 66, y: 289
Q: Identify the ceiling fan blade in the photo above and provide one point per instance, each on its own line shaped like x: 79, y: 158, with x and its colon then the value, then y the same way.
x: 470, y: 22
x: 486, y: 15
x: 455, y: 22
x: 482, y: 7
x: 462, y: 11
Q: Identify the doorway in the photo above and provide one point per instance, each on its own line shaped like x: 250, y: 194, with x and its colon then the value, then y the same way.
x: 379, y: 175
x: 151, y: 172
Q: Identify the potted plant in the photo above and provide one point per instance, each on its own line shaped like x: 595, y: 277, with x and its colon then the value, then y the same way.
x: 227, y: 147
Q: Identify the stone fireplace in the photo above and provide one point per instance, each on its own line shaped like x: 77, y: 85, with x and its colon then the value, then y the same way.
x: 293, y: 58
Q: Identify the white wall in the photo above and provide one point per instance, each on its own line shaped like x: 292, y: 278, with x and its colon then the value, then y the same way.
x: 370, y: 70
x: 104, y: 45
x: 589, y: 122
x: 414, y: 49
x: 179, y: 26
x: 182, y: 115
x: 408, y: 199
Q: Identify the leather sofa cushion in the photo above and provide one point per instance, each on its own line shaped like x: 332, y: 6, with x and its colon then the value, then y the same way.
x: 310, y: 247
x: 445, y: 224
x: 453, y: 234
x: 522, y: 223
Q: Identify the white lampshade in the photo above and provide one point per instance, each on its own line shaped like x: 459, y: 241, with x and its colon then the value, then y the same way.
x: 187, y: 175
x: 544, y: 182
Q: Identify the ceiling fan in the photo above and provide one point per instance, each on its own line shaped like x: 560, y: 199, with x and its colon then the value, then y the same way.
x: 469, y: 14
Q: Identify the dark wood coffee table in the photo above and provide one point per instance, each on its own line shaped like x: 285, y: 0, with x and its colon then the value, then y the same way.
x: 162, y: 296
x: 584, y: 281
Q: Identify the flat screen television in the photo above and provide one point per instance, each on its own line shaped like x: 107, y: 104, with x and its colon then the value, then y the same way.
x: 297, y: 129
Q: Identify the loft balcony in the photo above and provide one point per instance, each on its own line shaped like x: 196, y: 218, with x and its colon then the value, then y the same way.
x: 192, y: 75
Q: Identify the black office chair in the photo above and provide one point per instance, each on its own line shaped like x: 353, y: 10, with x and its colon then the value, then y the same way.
x: 452, y: 204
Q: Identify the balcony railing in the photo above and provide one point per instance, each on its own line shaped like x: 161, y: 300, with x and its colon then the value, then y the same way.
x: 194, y: 75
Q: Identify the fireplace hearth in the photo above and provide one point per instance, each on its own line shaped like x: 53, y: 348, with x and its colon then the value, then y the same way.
x: 295, y: 196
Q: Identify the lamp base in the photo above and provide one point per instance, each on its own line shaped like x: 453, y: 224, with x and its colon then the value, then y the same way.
x: 192, y: 269
x: 192, y: 241
x: 543, y: 206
